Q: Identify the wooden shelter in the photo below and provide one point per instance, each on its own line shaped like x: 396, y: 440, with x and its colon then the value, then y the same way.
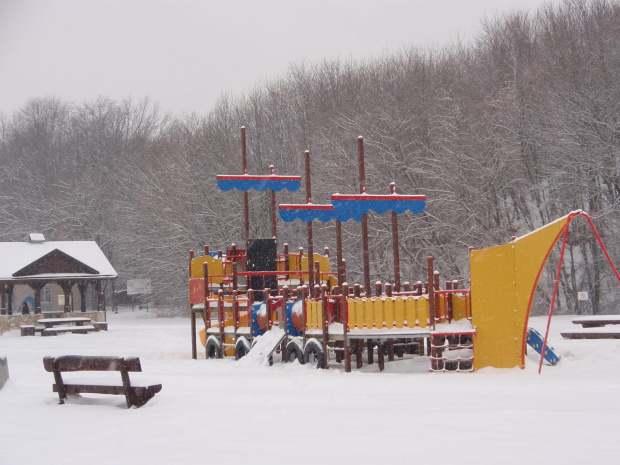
x: 66, y: 263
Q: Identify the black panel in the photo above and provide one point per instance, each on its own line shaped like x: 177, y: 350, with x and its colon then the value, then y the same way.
x: 262, y: 255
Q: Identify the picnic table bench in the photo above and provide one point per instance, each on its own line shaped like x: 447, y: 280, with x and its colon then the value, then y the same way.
x: 54, y: 326
x: 135, y: 394
x: 594, y: 327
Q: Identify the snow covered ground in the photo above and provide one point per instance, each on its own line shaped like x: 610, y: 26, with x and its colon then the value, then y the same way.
x: 220, y: 411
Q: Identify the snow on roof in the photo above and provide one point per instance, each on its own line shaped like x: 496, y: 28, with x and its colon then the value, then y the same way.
x: 16, y: 255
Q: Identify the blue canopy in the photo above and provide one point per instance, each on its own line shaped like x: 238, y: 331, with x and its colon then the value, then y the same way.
x: 352, y: 207
x: 246, y: 182
x: 306, y: 212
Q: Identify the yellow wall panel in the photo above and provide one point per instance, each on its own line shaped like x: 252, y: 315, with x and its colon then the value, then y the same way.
x: 458, y: 307
x: 421, y: 311
x: 410, y: 311
x: 377, y: 310
x: 503, y: 278
x: 388, y: 312
x: 368, y: 313
x: 399, y: 312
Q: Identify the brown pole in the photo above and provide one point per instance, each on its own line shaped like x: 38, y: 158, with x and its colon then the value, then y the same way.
x: 286, y: 262
x: 339, y: 267
x: 310, y: 245
x: 362, y: 175
x: 431, y: 294
x: 345, y: 327
x: 207, y: 309
x: 246, y: 202
x: 273, y: 206
x: 395, y: 244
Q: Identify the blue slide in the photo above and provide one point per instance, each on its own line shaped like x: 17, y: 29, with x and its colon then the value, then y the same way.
x: 535, y: 340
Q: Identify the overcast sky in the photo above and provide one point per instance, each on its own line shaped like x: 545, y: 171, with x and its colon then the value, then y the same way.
x: 184, y: 54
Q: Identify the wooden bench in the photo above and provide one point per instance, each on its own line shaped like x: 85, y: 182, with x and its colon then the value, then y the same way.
x: 68, y: 329
x: 595, y: 327
x: 76, y: 325
x: 137, y: 395
x: 597, y: 321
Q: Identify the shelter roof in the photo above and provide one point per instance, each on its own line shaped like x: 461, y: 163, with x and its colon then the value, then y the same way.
x: 54, y: 260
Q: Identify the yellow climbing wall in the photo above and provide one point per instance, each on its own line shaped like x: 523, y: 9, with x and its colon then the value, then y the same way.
x: 503, y: 281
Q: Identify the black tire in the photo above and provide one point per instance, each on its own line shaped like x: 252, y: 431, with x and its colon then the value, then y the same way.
x: 213, y: 348
x: 294, y: 352
x: 241, y: 350
x: 314, y: 355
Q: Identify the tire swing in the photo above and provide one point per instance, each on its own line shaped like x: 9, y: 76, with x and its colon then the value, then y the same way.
x: 314, y: 354
x: 241, y: 348
x: 213, y: 348
x: 294, y: 352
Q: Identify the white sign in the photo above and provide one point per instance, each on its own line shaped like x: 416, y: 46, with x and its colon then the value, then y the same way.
x: 138, y: 286
x: 582, y: 295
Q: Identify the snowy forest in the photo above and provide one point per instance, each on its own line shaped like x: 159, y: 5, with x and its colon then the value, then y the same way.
x: 503, y: 134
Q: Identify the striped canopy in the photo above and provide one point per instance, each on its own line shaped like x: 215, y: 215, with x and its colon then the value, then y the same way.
x: 245, y: 182
x: 352, y: 207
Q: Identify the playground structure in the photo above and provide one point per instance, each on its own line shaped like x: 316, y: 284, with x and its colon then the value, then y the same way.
x: 258, y: 302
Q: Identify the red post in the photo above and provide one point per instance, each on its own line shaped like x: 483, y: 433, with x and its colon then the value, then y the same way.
x: 339, y: 259
x: 269, y: 309
x: 221, y: 317
x: 431, y: 294
x: 436, y: 287
x: 193, y: 315
x: 299, y: 267
x: 378, y: 289
x: 273, y: 207
x: 191, y: 257
x: 325, y: 326
x: 395, y: 245
x: 345, y: 327
x: 286, y: 262
x: 448, y: 301
x: 309, y: 224
x: 246, y: 202
x: 366, y: 253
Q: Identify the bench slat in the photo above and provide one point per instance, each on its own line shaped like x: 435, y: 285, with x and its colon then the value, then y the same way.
x: 90, y: 363
x: 105, y: 389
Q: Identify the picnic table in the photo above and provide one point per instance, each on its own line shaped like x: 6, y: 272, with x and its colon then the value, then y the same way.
x: 51, y: 322
x: 595, y: 327
x: 76, y: 325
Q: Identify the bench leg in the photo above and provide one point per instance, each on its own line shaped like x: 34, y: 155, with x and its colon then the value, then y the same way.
x: 143, y: 395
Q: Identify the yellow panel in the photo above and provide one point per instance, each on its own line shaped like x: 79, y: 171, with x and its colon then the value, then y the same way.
x: 215, y: 267
x: 503, y: 278
x: 319, y: 314
x: 399, y: 312
x: 388, y: 311
x: 368, y: 313
x: 458, y: 307
x: 410, y: 309
x: 377, y: 310
x: 359, y: 312
x: 421, y: 311
x: 294, y: 265
x: 441, y: 308
x: 312, y: 313
x: 203, y: 338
